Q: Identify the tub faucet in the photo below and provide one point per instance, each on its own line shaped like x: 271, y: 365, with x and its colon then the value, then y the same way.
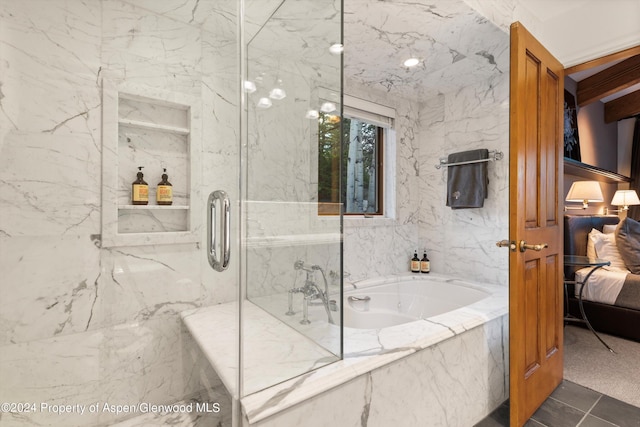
x: 311, y: 292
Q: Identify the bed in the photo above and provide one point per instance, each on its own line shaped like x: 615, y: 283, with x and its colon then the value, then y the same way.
x: 616, y: 309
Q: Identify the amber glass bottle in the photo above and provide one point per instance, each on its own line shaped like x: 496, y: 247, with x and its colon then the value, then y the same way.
x: 139, y: 190
x: 425, y: 265
x: 415, y: 263
x: 164, y: 193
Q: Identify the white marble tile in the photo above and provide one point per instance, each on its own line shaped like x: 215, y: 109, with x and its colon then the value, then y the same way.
x: 45, y: 42
x: 454, y: 43
x: 50, y: 286
x: 374, y: 248
x: 473, y: 117
x: 450, y: 383
x: 63, y: 370
x: 365, y: 350
x: 114, y: 286
x: 198, y: 411
x: 272, y: 352
x: 50, y: 150
x: 150, y: 49
x: 67, y: 304
x: 50, y: 185
x: 192, y: 12
x: 145, y: 282
x: 122, y: 365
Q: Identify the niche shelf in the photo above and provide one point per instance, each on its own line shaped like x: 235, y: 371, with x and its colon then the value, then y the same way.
x: 156, y: 129
x: 576, y: 168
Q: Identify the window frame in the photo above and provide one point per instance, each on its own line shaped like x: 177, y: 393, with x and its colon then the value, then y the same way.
x: 329, y: 208
x: 376, y: 114
x: 380, y: 172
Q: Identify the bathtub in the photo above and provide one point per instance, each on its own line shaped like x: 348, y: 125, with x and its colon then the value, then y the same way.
x: 433, y: 345
x: 417, y: 342
x: 386, y: 302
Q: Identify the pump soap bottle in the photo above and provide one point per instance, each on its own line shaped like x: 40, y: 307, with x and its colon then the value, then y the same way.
x: 415, y: 263
x: 139, y: 190
x: 164, y: 193
x: 425, y: 265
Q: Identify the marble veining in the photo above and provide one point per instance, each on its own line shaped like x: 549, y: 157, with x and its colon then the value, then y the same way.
x: 79, y: 322
x: 364, y: 349
x: 457, y: 47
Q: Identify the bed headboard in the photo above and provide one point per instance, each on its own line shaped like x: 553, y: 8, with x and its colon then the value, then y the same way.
x: 576, y: 229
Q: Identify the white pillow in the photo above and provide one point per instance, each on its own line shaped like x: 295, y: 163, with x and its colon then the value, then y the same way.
x: 609, y: 228
x: 591, y: 250
x: 605, y: 246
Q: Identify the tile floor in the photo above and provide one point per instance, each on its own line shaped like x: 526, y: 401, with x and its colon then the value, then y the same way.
x: 572, y: 405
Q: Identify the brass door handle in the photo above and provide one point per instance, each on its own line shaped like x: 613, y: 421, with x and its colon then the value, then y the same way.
x: 507, y: 244
x: 524, y: 246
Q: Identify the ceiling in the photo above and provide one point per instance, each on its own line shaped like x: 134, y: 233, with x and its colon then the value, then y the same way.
x: 613, y: 80
x: 456, y: 46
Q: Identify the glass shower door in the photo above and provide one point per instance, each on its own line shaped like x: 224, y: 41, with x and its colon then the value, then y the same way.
x: 291, y: 257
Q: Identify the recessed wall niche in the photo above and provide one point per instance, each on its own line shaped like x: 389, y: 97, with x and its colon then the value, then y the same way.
x: 155, y: 129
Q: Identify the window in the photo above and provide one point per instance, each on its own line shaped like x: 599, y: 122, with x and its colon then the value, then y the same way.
x: 360, y: 185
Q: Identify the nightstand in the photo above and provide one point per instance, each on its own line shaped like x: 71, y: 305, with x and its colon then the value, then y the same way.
x: 583, y: 262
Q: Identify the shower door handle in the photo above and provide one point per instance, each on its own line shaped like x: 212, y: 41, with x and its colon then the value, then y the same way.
x: 225, y: 231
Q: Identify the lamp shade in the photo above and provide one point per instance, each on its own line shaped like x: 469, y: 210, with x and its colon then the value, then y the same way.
x: 585, y: 191
x: 625, y: 198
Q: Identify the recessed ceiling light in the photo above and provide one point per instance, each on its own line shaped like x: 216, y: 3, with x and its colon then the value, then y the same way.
x: 411, y: 62
x: 277, y: 93
x: 264, y: 102
x: 336, y: 48
x: 249, y: 86
x: 328, y: 107
x: 312, y: 114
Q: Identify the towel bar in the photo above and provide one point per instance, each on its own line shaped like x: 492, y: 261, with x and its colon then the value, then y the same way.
x: 493, y: 155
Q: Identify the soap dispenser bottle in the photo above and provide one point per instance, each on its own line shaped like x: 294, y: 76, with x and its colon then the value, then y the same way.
x: 415, y: 263
x: 139, y: 190
x: 425, y: 265
x: 164, y: 193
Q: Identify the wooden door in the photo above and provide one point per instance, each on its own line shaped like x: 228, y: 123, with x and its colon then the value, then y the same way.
x: 535, y: 274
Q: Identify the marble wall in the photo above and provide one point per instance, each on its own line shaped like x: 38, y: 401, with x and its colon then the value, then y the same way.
x: 467, y: 113
x: 462, y: 242
x: 79, y: 323
x: 459, y: 242
x: 376, y: 247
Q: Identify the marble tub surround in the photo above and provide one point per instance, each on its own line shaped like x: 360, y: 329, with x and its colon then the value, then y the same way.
x: 272, y: 354
x: 454, y: 383
x: 365, y: 351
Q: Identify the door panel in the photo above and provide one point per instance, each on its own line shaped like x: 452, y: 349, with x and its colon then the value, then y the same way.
x: 535, y: 303
x: 551, y: 299
x: 532, y: 289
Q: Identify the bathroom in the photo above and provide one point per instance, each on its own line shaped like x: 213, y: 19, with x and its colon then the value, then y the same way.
x: 92, y: 309
x: 91, y: 318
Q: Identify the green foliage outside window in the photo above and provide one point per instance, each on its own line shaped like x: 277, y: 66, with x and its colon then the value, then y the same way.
x: 358, y: 188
